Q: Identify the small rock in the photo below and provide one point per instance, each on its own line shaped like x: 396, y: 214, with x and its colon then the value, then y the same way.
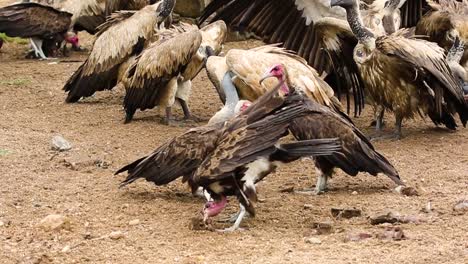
x: 386, y: 218
x: 60, y: 144
x: 1, y: 223
x: 357, y: 237
x: 134, y: 222
x: 407, y: 191
x: 313, y: 240
x: 196, y: 223
x: 392, y: 233
x: 461, y: 206
x: 55, y: 222
x: 287, y: 189
x: 116, y: 235
x: 354, y: 193
x: 322, y: 228
x: 66, y: 249
x: 412, y: 219
x: 428, y: 208
x: 345, y: 213
x: 308, y: 206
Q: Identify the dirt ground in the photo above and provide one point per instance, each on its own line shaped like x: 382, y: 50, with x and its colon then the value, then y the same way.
x: 79, y: 184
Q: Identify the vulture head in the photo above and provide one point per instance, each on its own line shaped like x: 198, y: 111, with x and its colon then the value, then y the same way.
x: 346, y: 4
x: 72, y: 38
x: 214, y: 35
x: 213, y: 208
x: 279, y: 72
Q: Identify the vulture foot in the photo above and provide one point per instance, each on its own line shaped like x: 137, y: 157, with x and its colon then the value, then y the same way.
x: 392, y: 136
x: 230, y: 229
x: 238, y: 219
x: 311, y: 191
x: 232, y: 219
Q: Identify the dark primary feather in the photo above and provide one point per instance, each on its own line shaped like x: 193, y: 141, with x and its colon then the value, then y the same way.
x: 357, y: 154
x: 33, y: 20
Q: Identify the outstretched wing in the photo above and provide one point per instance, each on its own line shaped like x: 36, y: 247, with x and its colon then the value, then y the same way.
x: 33, y: 20
x: 178, y: 157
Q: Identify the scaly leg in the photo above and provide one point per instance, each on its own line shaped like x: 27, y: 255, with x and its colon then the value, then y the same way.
x: 168, y: 118
x: 233, y: 218
x: 379, y: 124
x: 186, y: 110
x: 398, y: 122
x: 237, y: 222
x: 322, y: 181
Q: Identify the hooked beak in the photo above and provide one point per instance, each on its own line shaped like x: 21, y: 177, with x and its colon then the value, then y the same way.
x: 265, y: 76
x: 334, y: 2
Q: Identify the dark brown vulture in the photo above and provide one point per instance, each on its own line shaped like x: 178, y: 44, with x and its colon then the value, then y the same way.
x: 243, y: 72
x: 110, y: 50
x: 406, y: 75
x: 163, y: 73
x: 308, y: 27
x: 38, y: 22
x: 229, y: 158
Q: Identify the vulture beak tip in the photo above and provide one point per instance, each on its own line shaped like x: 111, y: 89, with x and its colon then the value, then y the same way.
x: 266, y: 76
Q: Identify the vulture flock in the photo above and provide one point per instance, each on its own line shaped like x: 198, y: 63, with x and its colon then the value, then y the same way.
x: 281, y: 100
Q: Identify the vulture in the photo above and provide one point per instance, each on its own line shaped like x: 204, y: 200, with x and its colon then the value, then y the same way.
x: 111, y: 49
x: 117, y: 5
x: 309, y: 27
x: 87, y: 15
x: 357, y: 155
x: 163, y: 73
x: 35, y: 21
x: 445, y: 24
x: 405, y: 75
x: 228, y: 158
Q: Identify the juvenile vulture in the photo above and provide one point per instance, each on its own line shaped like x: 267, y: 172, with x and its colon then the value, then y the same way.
x: 405, y: 75
x: 308, y: 27
x: 38, y: 22
x: 111, y: 49
x: 229, y: 158
x: 163, y: 73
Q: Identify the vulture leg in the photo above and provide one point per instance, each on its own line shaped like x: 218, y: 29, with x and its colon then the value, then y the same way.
x: 233, y: 218
x: 322, y: 180
x: 379, y: 124
x: 238, y: 221
x: 37, y: 46
x: 168, y: 118
x: 398, y: 123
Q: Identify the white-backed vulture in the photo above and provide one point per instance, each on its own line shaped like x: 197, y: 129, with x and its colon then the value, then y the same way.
x: 229, y: 158
x: 405, y: 75
x: 121, y: 37
x: 38, y: 22
x: 163, y: 73
x: 308, y: 27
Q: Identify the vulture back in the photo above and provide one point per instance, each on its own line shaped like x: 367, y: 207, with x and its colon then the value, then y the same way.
x: 27, y: 20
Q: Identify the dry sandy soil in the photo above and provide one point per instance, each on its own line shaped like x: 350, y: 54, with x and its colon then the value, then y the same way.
x: 80, y: 185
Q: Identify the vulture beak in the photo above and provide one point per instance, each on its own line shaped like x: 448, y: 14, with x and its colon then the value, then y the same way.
x: 335, y: 2
x: 265, y: 76
x: 210, y: 51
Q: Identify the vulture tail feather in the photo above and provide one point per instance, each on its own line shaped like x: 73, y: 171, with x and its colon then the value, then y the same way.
x: 313, y: 147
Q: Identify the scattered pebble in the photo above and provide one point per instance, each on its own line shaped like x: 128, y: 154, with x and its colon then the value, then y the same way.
x: 345, y: 213
x: 308, y: 206
x: 392, y: 233
x: 134, y: 222
x: 412, y: 219
x: 355, y: 193
x: 55, y: 222
x: 428, y: 208
x: 287, y: 189
x: 386, y: 218
x: 407, y: 191
x: 461, y: 206
x: 357, y: 237
x: 1, y: 223
x: 66, y: 249
x: 116, y: 235
x: 321, y: 228
x: 313, y: 240
x: 60, y: 144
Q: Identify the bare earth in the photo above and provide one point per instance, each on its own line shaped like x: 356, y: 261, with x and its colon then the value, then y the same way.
x: 80, y: 185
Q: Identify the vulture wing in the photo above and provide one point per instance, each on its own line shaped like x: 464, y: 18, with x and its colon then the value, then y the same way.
x: 110, y: 49
x: 180, y: 156
x: 250, y: 65
x: 245, y: 139
x: 156, y: 67
x: 428, y: 59
x: 357, y: 153
x: 33, y: 20
x: 412, y: 11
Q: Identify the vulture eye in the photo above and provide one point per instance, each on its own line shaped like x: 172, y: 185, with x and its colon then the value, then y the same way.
x: 359, y: 53
x: 377, y: 21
